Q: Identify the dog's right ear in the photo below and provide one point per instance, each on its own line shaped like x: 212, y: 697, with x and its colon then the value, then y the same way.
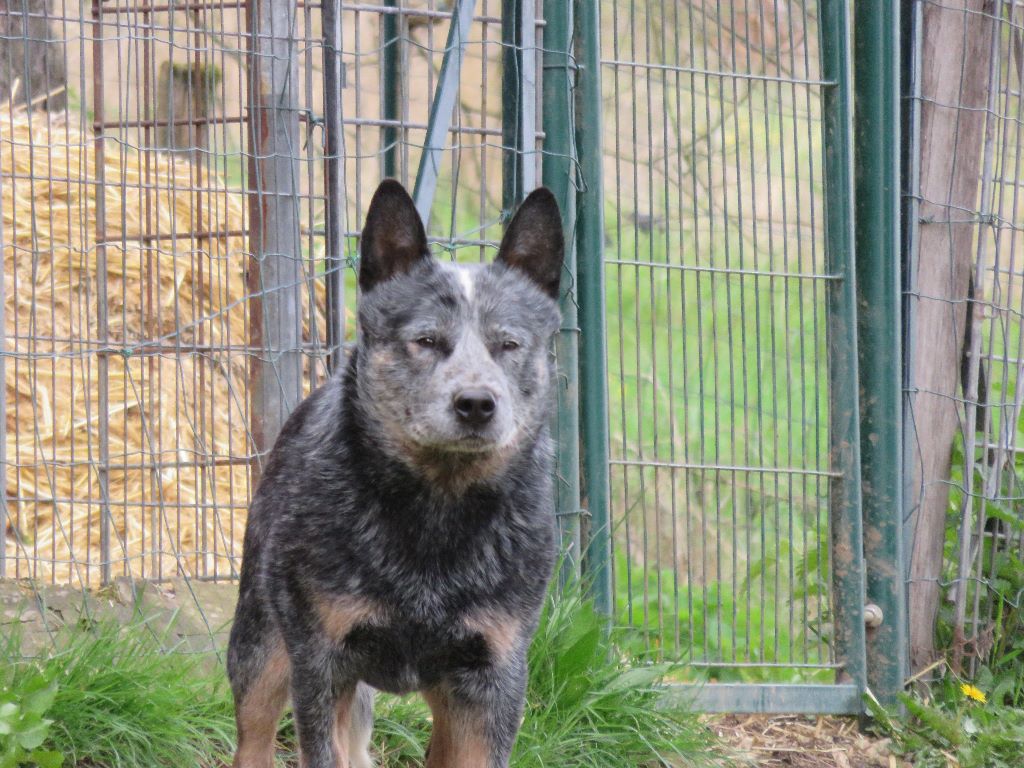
x: 393, y: 239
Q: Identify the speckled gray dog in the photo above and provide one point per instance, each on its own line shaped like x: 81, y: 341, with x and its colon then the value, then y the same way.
x: 402, y: 536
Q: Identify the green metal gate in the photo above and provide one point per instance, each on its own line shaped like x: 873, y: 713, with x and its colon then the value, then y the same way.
x: 724, y: 488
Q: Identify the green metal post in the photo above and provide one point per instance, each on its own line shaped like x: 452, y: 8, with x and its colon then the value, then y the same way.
x: 844, y: 413
x: 559, y: 175
x: 877, y: 136
x: 590, y: 274
x: 391, y: 87
x: 511, y: 134
x: 518, y: 101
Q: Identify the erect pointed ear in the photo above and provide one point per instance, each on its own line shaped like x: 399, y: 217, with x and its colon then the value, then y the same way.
x: 393, y: 239
x: 534, y: 243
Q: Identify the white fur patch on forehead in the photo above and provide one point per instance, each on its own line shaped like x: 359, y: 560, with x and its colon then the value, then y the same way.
x: 466, y: 277
x: 467, y: 283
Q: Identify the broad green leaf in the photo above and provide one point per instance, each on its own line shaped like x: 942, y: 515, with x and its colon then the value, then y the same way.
x: 41, y: 697
x: 47, y: 759
x: 32, y: 736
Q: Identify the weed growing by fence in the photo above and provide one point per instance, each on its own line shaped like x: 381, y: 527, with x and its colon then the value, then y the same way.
x: 122, y: 700
x: 24, y: 725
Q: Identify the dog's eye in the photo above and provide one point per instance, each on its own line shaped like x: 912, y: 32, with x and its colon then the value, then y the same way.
x: 427, y: 342
x: 510, y: 345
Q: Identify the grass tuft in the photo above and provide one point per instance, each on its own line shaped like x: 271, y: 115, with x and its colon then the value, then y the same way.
x: 124, y: 701
x: 588, y: 707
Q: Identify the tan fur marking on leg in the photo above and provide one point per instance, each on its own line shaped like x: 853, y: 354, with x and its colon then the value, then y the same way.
x: 257, y: 715
x: 501, y: 632
x: 457, y: 739
x: 342, y: 721
x: 338, y: 615
x: 360, y: 728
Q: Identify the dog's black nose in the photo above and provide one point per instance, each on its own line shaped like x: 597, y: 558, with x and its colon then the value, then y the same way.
x: 474, y: 406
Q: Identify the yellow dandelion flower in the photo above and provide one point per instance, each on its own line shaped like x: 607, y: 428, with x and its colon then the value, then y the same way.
x: 973, y: 692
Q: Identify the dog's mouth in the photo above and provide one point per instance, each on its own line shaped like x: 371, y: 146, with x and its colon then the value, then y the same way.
x: 473, y: 442
x: 464, y: 442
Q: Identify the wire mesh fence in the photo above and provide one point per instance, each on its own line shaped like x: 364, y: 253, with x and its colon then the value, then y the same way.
x: 717, y: 280
x: 145, y: 169
x: 181, y: 209
x: 964, y: 311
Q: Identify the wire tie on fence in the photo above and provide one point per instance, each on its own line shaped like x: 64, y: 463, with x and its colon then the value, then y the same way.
x: 569, y: 64
x: 313, y: 121
x: 581, y: 513
x: 124, y: 352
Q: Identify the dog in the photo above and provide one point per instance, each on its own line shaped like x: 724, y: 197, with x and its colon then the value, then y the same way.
x: 402, y: 535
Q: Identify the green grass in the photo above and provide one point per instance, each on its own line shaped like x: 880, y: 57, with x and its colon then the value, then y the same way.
x: 122, y: 701
x: 587, y: 707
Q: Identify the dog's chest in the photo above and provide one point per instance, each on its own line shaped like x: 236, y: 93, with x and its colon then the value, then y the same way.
x: 403, y: 656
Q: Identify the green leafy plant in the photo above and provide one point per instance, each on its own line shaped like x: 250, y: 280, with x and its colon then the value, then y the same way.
x: 586, y: 706
x: 125, y: 699
x: 960, y: 723
x: 23, y: 725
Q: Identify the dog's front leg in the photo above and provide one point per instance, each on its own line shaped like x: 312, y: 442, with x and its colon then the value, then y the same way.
x: 476, y: 717
x: 322, y: 711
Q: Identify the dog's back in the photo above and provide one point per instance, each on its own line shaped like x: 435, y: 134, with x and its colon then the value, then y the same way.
x: 402, y: 534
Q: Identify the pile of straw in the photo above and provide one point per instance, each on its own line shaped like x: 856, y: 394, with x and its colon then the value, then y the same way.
x: 175, y: 503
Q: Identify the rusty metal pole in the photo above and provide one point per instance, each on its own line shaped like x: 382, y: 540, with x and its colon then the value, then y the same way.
x: 275, y: 272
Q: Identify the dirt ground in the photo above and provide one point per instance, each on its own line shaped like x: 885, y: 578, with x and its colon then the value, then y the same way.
x: 803, y: 741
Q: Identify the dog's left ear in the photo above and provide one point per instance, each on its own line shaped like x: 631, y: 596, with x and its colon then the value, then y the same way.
x: 534, y: 243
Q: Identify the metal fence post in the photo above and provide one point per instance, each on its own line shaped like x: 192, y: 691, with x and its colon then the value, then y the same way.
x: 391, y: 84
x: 334, y: 183
x: 518, y: 101
x: 844, y: 430
x: 102, y: 328
x: 590, y: 269
x: 559, y: 175
x: 877, y: 142
x: 512, y: 139
x: 275, y: 270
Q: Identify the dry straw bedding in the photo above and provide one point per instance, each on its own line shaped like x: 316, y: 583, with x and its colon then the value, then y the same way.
x: 175, y: 418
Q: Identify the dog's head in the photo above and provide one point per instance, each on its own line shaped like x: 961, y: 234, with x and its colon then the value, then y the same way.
x: 454, y: 360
